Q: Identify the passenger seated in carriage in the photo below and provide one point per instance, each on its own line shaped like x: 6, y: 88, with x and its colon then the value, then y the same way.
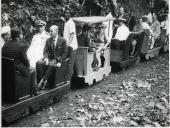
x: 165, y: 25
x: 122, y: 33
x: 16, y: 50
x: 156, y: 30
x: 84, y: 39
x: 55, y: 53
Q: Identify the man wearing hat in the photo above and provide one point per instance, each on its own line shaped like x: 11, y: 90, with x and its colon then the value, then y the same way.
x: 35, y: 51
x: 5, y: 34
x: 16, y: 50
x: 145, y: 25
x: 122, y: 33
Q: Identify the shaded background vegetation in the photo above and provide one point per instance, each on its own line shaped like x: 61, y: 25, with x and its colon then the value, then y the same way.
x: 23, y: 13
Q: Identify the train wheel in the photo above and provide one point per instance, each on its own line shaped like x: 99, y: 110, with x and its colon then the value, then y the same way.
x: 26, y: 111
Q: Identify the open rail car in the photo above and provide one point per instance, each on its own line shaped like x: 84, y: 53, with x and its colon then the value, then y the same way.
x: 18, y: 97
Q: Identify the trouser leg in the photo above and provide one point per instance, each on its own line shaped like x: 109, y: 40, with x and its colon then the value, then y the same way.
x: 40, y: 69
x: 152, y: 43
x: 72, y: 55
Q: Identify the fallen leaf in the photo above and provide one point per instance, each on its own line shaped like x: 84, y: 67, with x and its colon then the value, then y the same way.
x: 161, y: 107
x: 157, y: 124
x: 165, y: 101
x: 133, y: 123
x: 117, y: 119
x: 45, y: 125
x: 141, y: 84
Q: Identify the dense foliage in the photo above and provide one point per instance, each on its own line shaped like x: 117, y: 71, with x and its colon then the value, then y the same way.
x: 23, y: 13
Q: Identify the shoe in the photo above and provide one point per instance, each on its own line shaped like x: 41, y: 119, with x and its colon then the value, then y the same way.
x: 40, y: 84
x: 44, y: 85
x: 68, y: 81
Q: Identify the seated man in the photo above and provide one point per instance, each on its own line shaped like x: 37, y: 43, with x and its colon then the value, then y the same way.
x: 156, y: 28
x: 55, y: 53
x: 122, y: 33
x: 16, y: 50
x: 165, y: 24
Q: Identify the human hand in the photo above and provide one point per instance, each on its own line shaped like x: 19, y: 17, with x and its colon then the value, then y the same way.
x: 62, y: 18
x: 46, y: 61
x: 58, y: 65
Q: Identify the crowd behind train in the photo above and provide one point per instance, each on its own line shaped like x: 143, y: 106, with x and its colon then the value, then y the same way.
x: 48, y: 50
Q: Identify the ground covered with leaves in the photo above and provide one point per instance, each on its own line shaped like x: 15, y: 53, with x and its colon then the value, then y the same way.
x: 138, y: 96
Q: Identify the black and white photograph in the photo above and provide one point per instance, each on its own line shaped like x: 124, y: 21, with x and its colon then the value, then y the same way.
x: 85, y: 63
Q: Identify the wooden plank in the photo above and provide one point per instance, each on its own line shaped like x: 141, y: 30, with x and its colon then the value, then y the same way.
x: 15, y: 111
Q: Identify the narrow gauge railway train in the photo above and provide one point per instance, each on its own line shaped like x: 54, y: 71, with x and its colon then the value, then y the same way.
x: 18, y: 98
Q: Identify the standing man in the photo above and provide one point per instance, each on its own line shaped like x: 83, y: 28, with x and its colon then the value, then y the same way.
x: 55, y: 53
x: 71, y: 39
x: 122, y: 13
x: 131, y: 21
x: 35, y: 51
x: 156, y: 28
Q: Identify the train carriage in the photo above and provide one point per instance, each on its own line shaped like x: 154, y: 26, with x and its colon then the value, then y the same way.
x: 121, y: 57
x: 84, y: 58
x: 164, y: 41
x: 146, y: 52
x: 18, y: 98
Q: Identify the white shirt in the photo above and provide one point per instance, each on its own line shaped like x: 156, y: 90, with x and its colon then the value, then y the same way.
x: 122, y: 33
x: 109, y: 28
x: 150, y: 18
x: 56, y: 38
x: 69, y: 28
x: 35, y: 51
x: 165, y: 25
x: 145, y: 25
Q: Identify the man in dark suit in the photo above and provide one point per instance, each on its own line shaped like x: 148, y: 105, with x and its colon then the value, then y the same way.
x: 16, y: 50
x: 55, y: 53
x: 131, y: 21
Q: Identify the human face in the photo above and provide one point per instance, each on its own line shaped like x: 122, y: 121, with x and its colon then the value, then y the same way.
x: 154, y: 17
x: 121, y: 11
x: 67, y: 15
x: 6, y: 36
x: 21, y: 36
x: 41, y: 28
x: 53, y: 32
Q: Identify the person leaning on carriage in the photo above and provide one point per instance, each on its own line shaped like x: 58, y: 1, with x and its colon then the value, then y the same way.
x: 55, y: 53
x: 16, y: 50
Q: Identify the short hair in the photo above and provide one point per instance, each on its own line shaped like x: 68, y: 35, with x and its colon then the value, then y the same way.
x: 54, y: 27
x: 15, y: 32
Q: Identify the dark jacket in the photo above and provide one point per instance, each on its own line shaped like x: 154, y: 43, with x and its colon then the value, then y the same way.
x: 16, y: 50
x: 131, y: 22
x: 83, y: 40
x: 59, y: 52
